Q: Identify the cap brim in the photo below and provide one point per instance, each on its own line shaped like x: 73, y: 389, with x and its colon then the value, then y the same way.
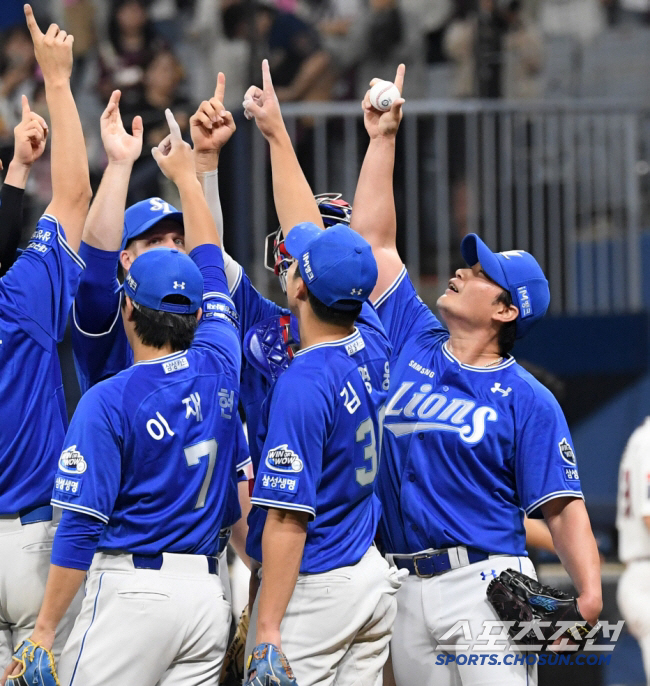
x: 300, y: 237
x: 174, y: 216
x: 474, y: 250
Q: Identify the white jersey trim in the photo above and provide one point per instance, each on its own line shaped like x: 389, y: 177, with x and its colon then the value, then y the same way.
x: 389, y: 291
x: 245, y: 463
x: 331, y: 344
x: 553, y: 496
x: 164, y: 358
x: 280, y: 505
x: 509, y: 360
x: 80, y: 508
x: 96, y: 335
x: 64, y: 244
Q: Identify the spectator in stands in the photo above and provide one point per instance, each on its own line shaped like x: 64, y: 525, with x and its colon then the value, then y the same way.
x: 130, y: 46
x: 295, y: 53
x: 17, y: 77
x: 161, y: 90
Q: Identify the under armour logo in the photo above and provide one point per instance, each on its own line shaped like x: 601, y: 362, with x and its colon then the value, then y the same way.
x: 497, y: 389
x: 512, y: 253
x: 484, y: 576
x: 180, y: 285
x: 356, y: 291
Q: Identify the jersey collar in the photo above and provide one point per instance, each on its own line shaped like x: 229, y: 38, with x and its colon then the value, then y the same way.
x: 164, y: 358
x: 356, y: 334
x: 509, y: 359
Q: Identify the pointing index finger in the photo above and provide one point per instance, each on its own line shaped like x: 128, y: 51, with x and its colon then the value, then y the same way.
x: 174, y: 128
x: 267, y: 82
x: 399, y: 77
x: 220, y: 90
x: 31, y: 22
x: 25, y: 104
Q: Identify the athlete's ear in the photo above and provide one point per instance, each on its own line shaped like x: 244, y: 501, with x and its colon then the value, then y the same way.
x: 128, y: 308
x: 505, y: 313
x: 126, y: 260
x: 301, y: 288
x: 199, y: 313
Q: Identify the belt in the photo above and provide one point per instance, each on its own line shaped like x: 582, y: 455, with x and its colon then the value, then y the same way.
x: 156, y: 562
x: 40, y: 513
x: 429, y: 563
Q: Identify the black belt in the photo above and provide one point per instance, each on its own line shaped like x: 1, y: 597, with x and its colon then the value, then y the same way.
x: 40, y: 513
x: 427, y: 565
x: 156, y: 562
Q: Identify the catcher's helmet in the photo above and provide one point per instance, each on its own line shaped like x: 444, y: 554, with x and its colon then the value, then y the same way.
x: 333, y: 210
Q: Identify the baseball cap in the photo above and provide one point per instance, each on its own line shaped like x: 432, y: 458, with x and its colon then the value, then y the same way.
x: 145, y: 214
x: 336, y: 264
x: 516, y: 271
x: 161, y: 272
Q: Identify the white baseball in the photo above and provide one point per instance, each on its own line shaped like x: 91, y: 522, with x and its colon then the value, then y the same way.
x: 383, y: 94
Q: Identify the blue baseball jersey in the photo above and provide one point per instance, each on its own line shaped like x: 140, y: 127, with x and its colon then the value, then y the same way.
x: 35, y: 298
x: 252, y: 308
x: 466, y: 450
x: 149, y: 450
x: 321, y: 449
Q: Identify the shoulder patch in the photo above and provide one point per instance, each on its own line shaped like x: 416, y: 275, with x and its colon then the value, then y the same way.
x: 72, y: 461
x: 175, y: 365
x: 282, y: 459
x: 567, y: 452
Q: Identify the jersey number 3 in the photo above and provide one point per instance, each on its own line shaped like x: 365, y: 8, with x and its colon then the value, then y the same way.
x: 366, y: 475
x: 193, y: 455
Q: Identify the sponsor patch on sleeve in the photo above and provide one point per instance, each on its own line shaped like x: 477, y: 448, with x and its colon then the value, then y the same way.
x: 65, y: 484
x: 72, y: 461
x: 287, y: 484
x: 571, y: 474
x: 283, y: 459
x: 567, y: 452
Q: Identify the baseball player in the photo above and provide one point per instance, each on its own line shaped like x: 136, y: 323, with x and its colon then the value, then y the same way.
x: 112, y: 237
x: 35, y: 298
x: 471, y: 440
x: 146, y: 477
x: 633, y: 524
x: 314, y: 483
x: 30, y: 137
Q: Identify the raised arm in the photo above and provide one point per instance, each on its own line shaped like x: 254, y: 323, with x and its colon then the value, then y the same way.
x: 29, y: 143
x: 71, y: 191
x: 294, y: 200
x: 105, y: 221
x: 176, y: 161
x: 373, y: 210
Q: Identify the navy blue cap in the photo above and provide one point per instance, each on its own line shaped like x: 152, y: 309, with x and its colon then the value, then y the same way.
x: 337, y: 264
x: 515, y: 271
x: 145, y: 214
x: 161, y: 272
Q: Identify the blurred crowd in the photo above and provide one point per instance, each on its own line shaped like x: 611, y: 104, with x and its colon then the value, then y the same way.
x: 166, y: 53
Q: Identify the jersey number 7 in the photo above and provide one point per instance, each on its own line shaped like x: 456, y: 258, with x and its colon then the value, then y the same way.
x: 193, y: 455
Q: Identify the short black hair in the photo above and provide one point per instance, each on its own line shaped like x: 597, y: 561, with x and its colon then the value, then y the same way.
x: 330, y: 315
x: 508, y: 330
x: 158, y: 329
x: 238, y: 14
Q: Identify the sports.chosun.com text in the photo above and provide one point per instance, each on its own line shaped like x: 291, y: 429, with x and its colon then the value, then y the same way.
x: 487, y: 659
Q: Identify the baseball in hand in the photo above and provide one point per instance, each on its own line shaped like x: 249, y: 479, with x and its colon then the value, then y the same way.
x: 383, y: 94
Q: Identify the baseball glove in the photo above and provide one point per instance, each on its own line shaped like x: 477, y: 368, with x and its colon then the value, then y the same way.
x: 268, y: 666
x: 37, y: 666
x: 232, y: 673
x: 519, y: 598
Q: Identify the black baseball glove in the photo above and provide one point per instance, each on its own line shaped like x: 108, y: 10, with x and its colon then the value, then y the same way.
x: 519, y: 598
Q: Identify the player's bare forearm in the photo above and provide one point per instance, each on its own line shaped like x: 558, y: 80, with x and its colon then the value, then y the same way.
x: 71, y: 190
x: 17, y: 174
x: 200, y: 227
x: 538, y: 535
x: 373, y: 210
x: 576, y: 547
x: 105, y: 220
x: 294, y: 200
x: 62, y: 586
x: 283, y: 542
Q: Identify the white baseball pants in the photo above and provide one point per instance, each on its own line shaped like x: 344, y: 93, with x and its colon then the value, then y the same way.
x: 337, y: 627
x: 633, y: 595
x: 148, y: 627
x: 25, y: 551
x: 427, y: 609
